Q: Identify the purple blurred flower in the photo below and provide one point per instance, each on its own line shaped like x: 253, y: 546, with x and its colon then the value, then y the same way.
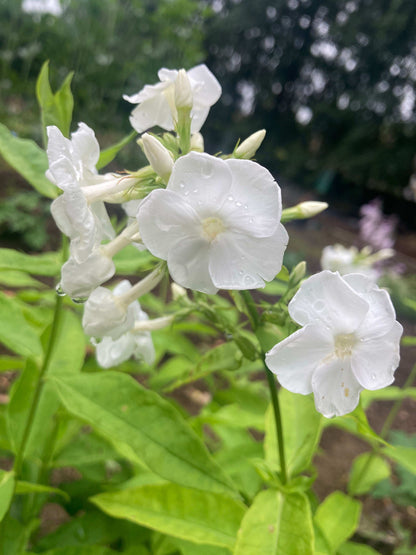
x: 376, y: 229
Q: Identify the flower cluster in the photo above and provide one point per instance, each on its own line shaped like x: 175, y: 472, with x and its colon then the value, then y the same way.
x: 215, y: 222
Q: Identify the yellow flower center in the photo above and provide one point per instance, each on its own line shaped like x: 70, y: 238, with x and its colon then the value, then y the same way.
x: 211, y: 227
x: 344, y: 343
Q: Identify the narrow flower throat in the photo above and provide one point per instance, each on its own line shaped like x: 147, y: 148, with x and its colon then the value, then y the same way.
x: 211, y: 227
x: 344, y: 344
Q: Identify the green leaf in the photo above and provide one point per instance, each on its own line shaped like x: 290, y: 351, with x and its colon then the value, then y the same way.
x: 367, y: 470
x: 336, y: 519
x: 15, y: 279
x: 198, y: 516
x: 107, y: 155
x: 6, y: 491
x: 86, y: 449
x: 356, y: 423
x: 79, y: 550
x: 409, y: 341
x: 15, y: 332
x: 142, y: 426
x: 188, y: 548
x: 28, y: 159
x: 276, y: 524
x: 392, y: 393
x: 224, y: 357
x: 302, y: 426
x: 56, y: 109
x: 353, y: 548
x: 130, y: 261
x: 11, y: 363
x: 27, y: 487
x: 47, y: 264
x: 406, y: 456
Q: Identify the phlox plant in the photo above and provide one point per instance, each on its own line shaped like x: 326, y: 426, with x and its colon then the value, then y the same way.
x: 187, y: 298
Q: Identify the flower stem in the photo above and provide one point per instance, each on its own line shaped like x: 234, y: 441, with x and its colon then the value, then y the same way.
x: 254, y: 320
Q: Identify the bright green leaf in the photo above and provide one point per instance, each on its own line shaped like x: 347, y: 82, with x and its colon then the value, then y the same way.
x: 6, y: 491
x: 367, y: 470
x: 276, y: 524
x: 23, y: 488
x: 56, y: 109
x: 28, y: 159
x: 15, y: 332
x: 107, y: 155
x: 405, y: 456
x: 47, y: 264
x: 11, y: 363
x: 196, y: 516
x: 392, y: 393
x: 130, y: 261
x: 302, y: 426
x: 337, y: 519
x: 143, y: 426
x: 15, y: 279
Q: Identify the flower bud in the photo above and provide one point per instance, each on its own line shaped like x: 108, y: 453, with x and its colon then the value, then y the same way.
x: 248, y: 148
x: 311, y: 208
x: 297, y: 274
x: 197, y: 142
x: 183, y: 91
x: 159, y: 157
x: 177, y: 291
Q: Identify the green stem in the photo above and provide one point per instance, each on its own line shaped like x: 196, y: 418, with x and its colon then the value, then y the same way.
x: 254, y: 320
x: 39, y: 386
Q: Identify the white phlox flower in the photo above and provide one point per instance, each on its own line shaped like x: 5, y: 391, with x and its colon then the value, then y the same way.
x: 156, y: 103
x: 217, y: 224
x: 138, y: 344
x: 349, y: 342
x: 78, y: 279
x: 338, y: 258
x: 78, y: 212
x: 112, y: 313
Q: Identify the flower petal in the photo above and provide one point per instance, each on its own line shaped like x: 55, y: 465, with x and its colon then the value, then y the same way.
x: 188, y: 264
x: 381, y: 315
x: 164, y: 218
x: 151, y: 112
x: 239, y: 261
x: 85, y: 147
x: 203, y: 181
x: 79, y: 279
x: 328, y: 298
x: 254, y: 203
x: 110, y: 352
x: 374, y: 360
x: 207, y: 88
x: 294, y: 359
x: 335, y: 388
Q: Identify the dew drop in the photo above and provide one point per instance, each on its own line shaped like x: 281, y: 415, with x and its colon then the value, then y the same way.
x: 206, y: 169
x: 238, y: 204
x: 79, y: 300
x: 373, y: 377
x: 181, y: 185
x: 230, y: 198
x: 59, y: 290
x: 242, y: 257
x: 186, y: 193
x: 245, y: 207
x: 251, y: 220
x: 195, y: 191
x: 248, y: 279
x: 199, y: 202
x: 241, y: 272
x: 319, y: 305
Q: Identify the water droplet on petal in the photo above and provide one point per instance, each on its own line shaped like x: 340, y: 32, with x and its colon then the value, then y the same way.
x: 373, y: 377
x: 195, y: 191
x: 230, y: 198
x: 238, y: 204
x: 319, y: 305
x: 245, y: 207
x: 249, y: 280
x: 241, y: 272
x: 181, y: 185
x: 206, y: 168
x: 251, y: 220
x: 186, y: 193
x: 79, y: 300
x: 59, y: 290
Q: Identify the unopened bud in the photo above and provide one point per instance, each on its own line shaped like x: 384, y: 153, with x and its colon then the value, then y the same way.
x: 297, y: 274
x: 177, y: 291
x: 248, y: 148
x: 303, y: 210
x: 159, y: 157
x: 197, y: 142
x: 183, y: 91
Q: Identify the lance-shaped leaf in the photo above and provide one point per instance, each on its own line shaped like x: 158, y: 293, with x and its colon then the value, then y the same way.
x: 6, y: 491
x: 15, y: 332
x: 276, y: 524
x: 28, y: 159
x: 197, y: 516
x: 142, y: 426
x: 107, y: 155
x: 302, y: 426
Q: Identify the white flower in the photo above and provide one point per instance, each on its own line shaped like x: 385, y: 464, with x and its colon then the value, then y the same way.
x: 217, y: 224
x: 248, y: 148
x: 349, y: 342
x: 72, y: 168
x: 338, y: 258
x: 111, y: 352
x: 156, y: 103
x: 112, y: 313
x: 159, y: 157
x: 78, y: 279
